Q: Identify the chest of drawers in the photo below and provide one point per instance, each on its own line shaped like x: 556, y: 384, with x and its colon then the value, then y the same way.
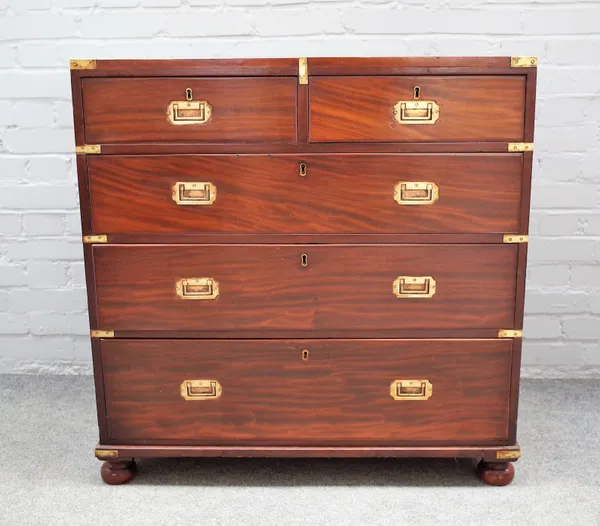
x: 296, y: 258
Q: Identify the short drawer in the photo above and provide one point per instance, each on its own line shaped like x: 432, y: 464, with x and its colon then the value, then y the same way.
x: 304, y: 287
x: 329, y: 392
x: 416, y: 109
x: 244, y: 109
x: 310, y: 194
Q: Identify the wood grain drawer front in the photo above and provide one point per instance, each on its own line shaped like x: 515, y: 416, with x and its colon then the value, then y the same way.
x: 305, y: 287
x: 311, y: 194
x: 372, y: 109
x: 242, y: 109
x: 340, y: 393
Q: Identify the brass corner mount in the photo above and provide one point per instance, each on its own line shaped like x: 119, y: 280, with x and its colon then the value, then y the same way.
x: 79, y: 64
x: 523, y: 62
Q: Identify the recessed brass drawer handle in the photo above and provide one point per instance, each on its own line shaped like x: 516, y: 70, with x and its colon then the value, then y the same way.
x: 194, y: 193
x: 201, y: 389
x: 414, y: 286
x: 197, y: 288
x: 411, y: 389
x: 188, y: 112
x: 416, y: 111
x: 412, y: 193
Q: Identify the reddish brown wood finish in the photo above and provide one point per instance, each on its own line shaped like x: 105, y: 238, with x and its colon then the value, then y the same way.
x: 472, y: 451
x: 325, y: 66
x: 99, y: 388
x: 229, y: 67
x: 279, y: 239
x: 318, y: 66
x: 342, y: 287
x: 515, y: 374
x: 530, y: 103
x: 360, y: 109
x: 141, y: 148
x: 339, y: 395
x: 77, y: 98
x: 289, y: 66
x: 496, y: 473
x: 115, y: 473
x: 243, y: 109
x: 339, y: 194
x: 202, y: 332
x: 233, y: 70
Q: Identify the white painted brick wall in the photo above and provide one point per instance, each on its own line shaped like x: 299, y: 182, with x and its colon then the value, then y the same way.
x: 43, y: 323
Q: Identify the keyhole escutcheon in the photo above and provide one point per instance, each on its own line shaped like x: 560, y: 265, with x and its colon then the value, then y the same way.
x: 189, y: 95
x: 305, y: 355
x: 303, y: 169
x: 304, y: 260
x: 417, y: 92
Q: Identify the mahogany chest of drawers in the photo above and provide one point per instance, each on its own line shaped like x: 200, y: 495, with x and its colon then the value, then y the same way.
x: 294, y: 257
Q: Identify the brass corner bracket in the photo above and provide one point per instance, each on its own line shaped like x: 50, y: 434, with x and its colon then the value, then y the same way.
x: 523, y: 62
x: 102, y: 334
x: 102, y: 238
x: 520, y: 147
x: 302, y: 70
x: 89, y: 149
x: 510, y: 454
x: 83, y: 64
x: 104, y: 454
x: 510, y: 333
x: 515, y: 238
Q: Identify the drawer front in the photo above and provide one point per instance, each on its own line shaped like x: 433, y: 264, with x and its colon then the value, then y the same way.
x: 311, y: 194
x: 221, y: 110
x: 307, y: 392
x: 382, y: 109
x: 304, y: 287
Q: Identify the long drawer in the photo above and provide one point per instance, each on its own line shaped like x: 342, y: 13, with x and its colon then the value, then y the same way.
x: 304, y: 287
x: 243, y: 109
x: 311, y: 194
x: 417, y: 109
x: 384, y: 392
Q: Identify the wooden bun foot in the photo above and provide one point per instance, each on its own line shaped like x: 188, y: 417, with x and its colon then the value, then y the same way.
x: 496, y: 473
x: 118, y: 472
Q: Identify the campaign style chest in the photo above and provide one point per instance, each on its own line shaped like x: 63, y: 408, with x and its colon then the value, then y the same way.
x: 318, y: 257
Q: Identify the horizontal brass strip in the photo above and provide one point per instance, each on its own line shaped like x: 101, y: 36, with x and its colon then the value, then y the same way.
x: 514, y: 454
x: 515, y: 238
x: 510, y: 333
x: 106, y: 453
x: 101, y: 238
x: 89, y: 149
x: 520, y: 147
x: 102, y: 334
x: 523, y: 62
x: 83, y: 64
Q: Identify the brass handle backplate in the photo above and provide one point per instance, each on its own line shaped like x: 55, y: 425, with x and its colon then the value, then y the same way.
x: 194, y: 193
x: 411, y: 389
x: 416, y: 193
x: 414, y: 286
x: 197, y: 288
x: 416, y: 111
x: 188, y: 112
x: 201, y: 389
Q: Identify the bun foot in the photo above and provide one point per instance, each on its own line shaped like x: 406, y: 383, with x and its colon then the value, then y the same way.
x: 118, y: 472
x: 496, y: 473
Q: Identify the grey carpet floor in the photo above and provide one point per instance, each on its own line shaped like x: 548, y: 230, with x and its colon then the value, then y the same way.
x: 48, y: 474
